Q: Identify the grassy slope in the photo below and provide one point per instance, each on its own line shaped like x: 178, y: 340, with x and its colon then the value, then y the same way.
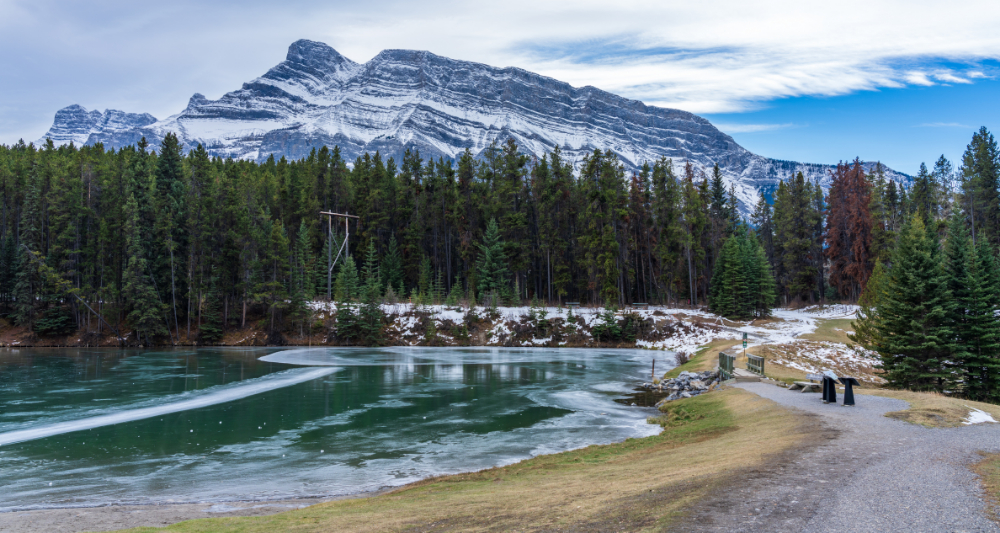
x: 931, y: 409
x: 640, y: 484
x: 834, y: 330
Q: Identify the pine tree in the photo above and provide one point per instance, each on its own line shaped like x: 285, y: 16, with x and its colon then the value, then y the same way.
x: 958, y: 256
x: 455, y: 293
x: 370, y: 315
x: 146, y: 315
x: 425, y: 283
x: 742, y: 284
x: 211, y: 329
x: 8, y: 269
x: 913, y: 338
x: 765, y: 293
x: 868, y: 326
x: 28, y: 282
x: 370, y: 273
x: 981, y: 184
x: 981, y: 342
x: 491, y: 269
x: 849, y: 230
x: 301, y: 277
x: 348, y: 285
x: 392, y: 267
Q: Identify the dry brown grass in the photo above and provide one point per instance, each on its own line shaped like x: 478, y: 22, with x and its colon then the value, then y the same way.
x: 638, y: 485
x: 988, y: 470
x: 833, y: 330
x: 935, y: 410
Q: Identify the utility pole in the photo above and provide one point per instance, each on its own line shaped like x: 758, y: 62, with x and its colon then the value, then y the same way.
x: 344, y: 248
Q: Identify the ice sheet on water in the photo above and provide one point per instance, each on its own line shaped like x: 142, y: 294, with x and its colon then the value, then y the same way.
x: 203, y: 398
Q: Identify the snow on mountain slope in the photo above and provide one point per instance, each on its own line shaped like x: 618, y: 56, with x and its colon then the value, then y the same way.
x: 405, y: 99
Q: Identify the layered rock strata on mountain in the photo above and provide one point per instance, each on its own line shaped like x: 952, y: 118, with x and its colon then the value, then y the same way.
x: 405, y: 99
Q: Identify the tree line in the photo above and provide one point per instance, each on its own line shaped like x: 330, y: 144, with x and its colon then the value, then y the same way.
x: 185, y: 246
x: 928, y: 280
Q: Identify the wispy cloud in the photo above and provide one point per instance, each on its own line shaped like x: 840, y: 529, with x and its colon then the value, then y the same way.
x: 751, y: 128
x: 723, y: 56
x: 944, y: 125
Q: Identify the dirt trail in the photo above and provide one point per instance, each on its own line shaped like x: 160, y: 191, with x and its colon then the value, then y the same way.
x: 873, y: 474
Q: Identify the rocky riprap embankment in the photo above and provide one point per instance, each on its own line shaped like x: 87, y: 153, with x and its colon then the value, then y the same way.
x: 685, y: 385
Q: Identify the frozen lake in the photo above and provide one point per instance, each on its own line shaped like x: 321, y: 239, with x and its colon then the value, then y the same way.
x: 88, y: 427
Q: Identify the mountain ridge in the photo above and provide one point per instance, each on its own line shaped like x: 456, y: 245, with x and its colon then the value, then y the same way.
x: 410, y: 99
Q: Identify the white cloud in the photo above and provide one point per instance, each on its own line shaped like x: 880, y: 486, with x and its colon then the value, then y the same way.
x: 751, y: 128
x: 944, y: 125
x: 727, y: 55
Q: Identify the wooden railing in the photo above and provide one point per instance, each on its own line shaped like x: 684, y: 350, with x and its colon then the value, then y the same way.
x: 755, y: 364
x: 727, y: 365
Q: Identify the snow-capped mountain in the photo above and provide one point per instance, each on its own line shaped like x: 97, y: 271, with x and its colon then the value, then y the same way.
x: 76, y: 124
x: 405, y: 99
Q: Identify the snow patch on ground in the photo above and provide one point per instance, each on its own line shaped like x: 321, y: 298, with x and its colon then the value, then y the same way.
x: 978, y: 417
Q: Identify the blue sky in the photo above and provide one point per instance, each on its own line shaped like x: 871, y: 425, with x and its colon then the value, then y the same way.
x: 901, y: 127
x: 901, y: 81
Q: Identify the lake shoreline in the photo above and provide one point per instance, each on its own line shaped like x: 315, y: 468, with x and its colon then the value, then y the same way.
x: 655, y: 327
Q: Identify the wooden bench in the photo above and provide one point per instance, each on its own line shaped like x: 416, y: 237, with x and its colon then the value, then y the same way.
x: 573, y: 305
x: 806, y: 386
x: 640, y: 306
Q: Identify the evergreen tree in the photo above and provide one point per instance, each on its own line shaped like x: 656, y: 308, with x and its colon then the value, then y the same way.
x: 491, y: 269
x: 146, y: 315
x: 868, y: 326
x: 370, y: 273
x: 958, y: 254
x: 212, y: 328
x: 392, y: 267
x: 981, y: 184
x: 28, y: 282
x: 742, y: 284
x: 348, y: 285
x: 368, y: 323
x: 8, y: 269
x: 981, y: 340
x: 301, y: 276
x: 913, y: 335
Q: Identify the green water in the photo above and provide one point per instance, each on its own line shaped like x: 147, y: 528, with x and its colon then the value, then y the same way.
x: 89, y: 427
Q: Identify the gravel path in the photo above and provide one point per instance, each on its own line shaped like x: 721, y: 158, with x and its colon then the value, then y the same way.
x: 874, y: 474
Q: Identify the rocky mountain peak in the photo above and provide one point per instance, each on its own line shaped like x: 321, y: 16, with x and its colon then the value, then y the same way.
x: 196, y: 100
x: 415, y: 100
x: 319, y: 56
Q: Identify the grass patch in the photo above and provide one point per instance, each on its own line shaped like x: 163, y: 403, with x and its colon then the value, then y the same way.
x: 636, y: 485
x: 932, y: 409
x: 833, y: 330
x: 988, y: 470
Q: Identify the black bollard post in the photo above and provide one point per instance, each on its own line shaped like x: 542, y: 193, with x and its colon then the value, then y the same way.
x: 849, y: 384
x: 829, y: 390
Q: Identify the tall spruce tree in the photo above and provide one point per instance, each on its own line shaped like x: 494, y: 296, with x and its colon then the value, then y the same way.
x: 491, y: 269
x: 981, y: 184
x: 914, y: 337
x: 348, y: 287
x: 392, y: 267
x: 146, y: 315
x: 980, y: 338
x: 742, y: 284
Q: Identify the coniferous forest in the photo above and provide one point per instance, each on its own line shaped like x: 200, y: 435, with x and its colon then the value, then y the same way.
x: 163, y: 243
